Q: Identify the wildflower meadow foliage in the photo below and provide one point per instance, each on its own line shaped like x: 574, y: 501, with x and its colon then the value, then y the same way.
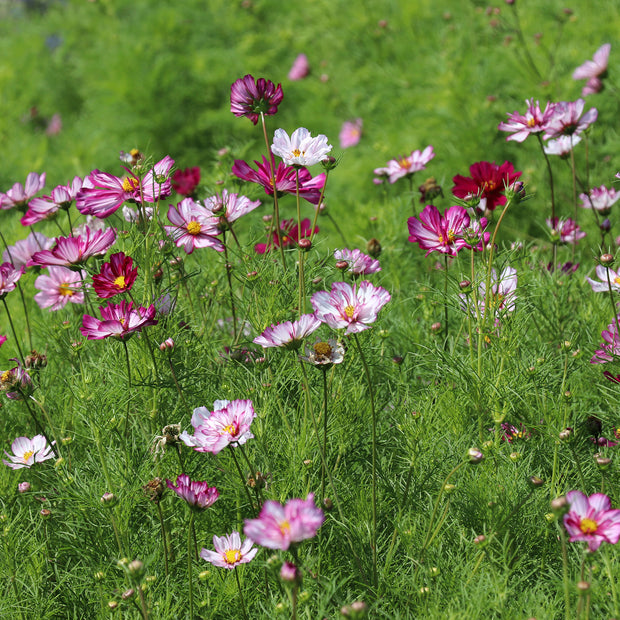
x: 401, y: 408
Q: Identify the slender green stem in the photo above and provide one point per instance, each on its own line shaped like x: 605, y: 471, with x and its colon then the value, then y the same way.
x: 164, y: 537
x: 551, y: 189
x: 565, y: 580
x: 445, y: 301
x: 614, y: 310
x: 19, y: 349
x: 257, y: 491
x: 324, y: 461
x: 25, y: 398
x: 300, y: 252
x: 244, y: 482
x: 129, y: 387
x: 526, y: 51
x: 228, y: 268
x: 318, y: 207
x: 190, y: 529
x: 574, y: 177
x: 143, y: 608
x: 245, y: 615
x: 612, y: 583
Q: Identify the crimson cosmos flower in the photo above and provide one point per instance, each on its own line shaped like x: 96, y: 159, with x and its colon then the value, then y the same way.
x: 250, y: 97
x: 115, y: 277
x: 290, y: 235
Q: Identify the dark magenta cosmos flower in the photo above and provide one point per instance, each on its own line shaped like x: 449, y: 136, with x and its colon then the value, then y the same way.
x: 197, y: 494
x: 115, y: 277
x: 439, y: 233
x: 9, y: 276
x: 592, y: 519
x: 289, y: 235
x: 250, y: 97
x: 488, y: 181
x: 185, y: 181
x: 118, y: 320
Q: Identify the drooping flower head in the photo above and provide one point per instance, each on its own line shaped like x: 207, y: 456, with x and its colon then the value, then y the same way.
x: 250, y: 97
x: 289, y: 334
x: 229, y: 551
x: 324, y: 354
x: 277, y: 526
x: 228, y: 424
x: 27, y: 452
x: 116, y: 276
x: 351, y: 307
x: 300, y: 68
x: 227, y: 207
x: 566, y: 119
x: 9, y: 277
x: 561, y: 146
x: 61, y: 197
x: 193, y: 227
x: 439, y: 233
x: 118, y: 320
x: 21, y: 252
x: 198, y: 495
x: 565, y: 230
x: 406, y: 165
x: 59, y: 287
x: 19, y: 195
x: 185, y: 182
x: 534, y: 121
x: 16, y: 382
x: 591, y: 519
x: 600, y: 199
x: 301, y: 149
x: 594, y: 70
x: 350, y: 133
x: 290, y: 234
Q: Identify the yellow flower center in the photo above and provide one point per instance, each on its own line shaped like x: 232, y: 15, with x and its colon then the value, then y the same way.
x: 120, y: 282
x: 134, y: 152
x: 232, y: 556
x: 231, y: 429
x: 617, y: 280
x: 130, y: 184
x: 27, y: 455
x: 6, y: 375
x: 451, y: 237
x: 403, y: 162
x: 588, y: 526
x: 122, y: 320
x: 297, y: 152
x: 349, y: 311
x: 285, y: 527
x: 531, y: 122
x: 489, y: 186
x: 65, y: 290
x: 193, y: 228
x: 323, y: 349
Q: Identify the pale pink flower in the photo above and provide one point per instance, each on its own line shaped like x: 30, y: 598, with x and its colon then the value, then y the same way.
x: 591, y: 519
x: 600, y: 199
x: 358, y: 262
x: 300, y: 68
x: 28, y: 452
x: 406, y: 165
x: 288, y: 334
x: 350, y: 133
x: 193, y: 227
x: 301, y: 149
x: 565, y: 230
x: 9, y: 276
x: 567, y: 119
x: 277, y: 526
x: 59, y: 287
x: 562, y: 146
x: 351, y: 307
x: 593, y: 70
x: 227, y: 207
x: 439, y: 233
x: 534, y: 121
x: 602, y: 273
x: 54, y: 125
x: 19, y: 195
x: 229, y: 551
x: 43, y: 208
x: 199, y: 495
x: 21, y: 252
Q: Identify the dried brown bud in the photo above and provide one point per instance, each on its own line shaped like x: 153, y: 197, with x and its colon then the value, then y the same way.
x: 373, y: 247
x: 154, y: 489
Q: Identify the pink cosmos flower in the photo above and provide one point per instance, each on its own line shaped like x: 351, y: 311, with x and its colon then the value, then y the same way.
x: 105, y: 192
x: 18, y: 196
x: 406, y: 165
x: 359, y: 263
x: 21, y: 252
x: 115, y: 277
x: 488, y: 181
x: 350, y: 133
x: 300, y: 68
x: 54, y: 127
x: 602, y: 286
x: 198, y: 495
x: 301, y: 149
x: 9, y: 276
x: 250, y: 97
x: 186, y: 181
x: 567, y: 120
x: 229, y: 552
x: 62, y: 197
x: 288, y: 335
x: 59, y: 287
x: 289, y: 235
x: 593, y: 70
x: 227, y: 207
x: 285, y: 176
x: 277, y: 526
x: 28, y: 452
x: 561, y: 146
x: 118, y: 320
x: 591, y: 519
x: 75, y: 251
x: 503, y: 293
x: 228, y: 423
x: 439, y: 233
x: 193, y: 227
x: 2, y: 340
x: 600, y: 199
x: 565, y: 230
x: 610, y: 348
x: 534, y: 121
x: 350, y: 306
x: 16, y: 382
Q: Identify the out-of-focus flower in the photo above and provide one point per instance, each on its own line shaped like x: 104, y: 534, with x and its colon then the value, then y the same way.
x: 600, y: 199
x: 610, y: 348
x: 350, y: 133
x: 27, y: 452
x: 21, y: 252
x: 429, y: 190
x: 289, y: 334
x: 594, y: 70
x: 561, y: 146
x: 285, y: 177
x: 277, y: 526
x: 324, y: 354
x: 591, y: 519
x: 289, y: 235
x: 351, y: 307
x: 534, y: 121
x: 43, y: 208
x: 19, y: 195
x: 116, y: 276
x: 358, y: 262
x: 406, y: 165
x: 603, y: 273
x: 565, y: 230
x: 198, y: 495
x: 54, y: 126
x: 59, y: 287
x: 185, y: 182
x: 229, y: 551
x: 227, y: 207
x: 439, y: 233
x: 2, y: 340
x: 118, y: 320
x: 250, y: 97
x: 566, y: 119
x: 193, y: 227
x: 488, y: 181
x: 75, y: 251
x: 300, y: 68
x: 502, y: 297
x: 9, y: 276
x: 228, y: 424
x: 16, y: 382
x: 301, y: 149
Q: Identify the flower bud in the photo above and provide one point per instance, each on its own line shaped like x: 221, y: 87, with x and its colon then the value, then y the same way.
x: 304, y: 244
x: 602, y: 462
x: 559, y: 505
x: 535, y: 482
x: 465, y: 286
x: 329, y: 163
x: 328, y: 504
x: 290, y: 573
x: 436, y: 327
x: 203, y: 575
x: 23, y: 487
x: 514, y: 456
x: 566, y: 434
x: 605, y: 225
x: 35, y: 360
x: 45, y: 513
x: 127, y: 594
x: 167, y: 345
x: 449, y: 488
x: 135, y: 569
x: 474, y: 455
x: 583, y: 586
x: 112, y: 605
x: 480, y: 539
x: 607, y: 260
x: 342, y: 265
x: 108, y: 499
x: 373, y: 247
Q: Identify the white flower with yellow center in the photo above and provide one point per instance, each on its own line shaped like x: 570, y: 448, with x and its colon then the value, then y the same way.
x: 301, y: 149
x: 27, y: 452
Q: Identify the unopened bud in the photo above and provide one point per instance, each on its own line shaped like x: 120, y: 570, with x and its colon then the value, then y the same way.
x: 535, y: 482
x: 304, y: 244
x: 605, y: 225
x: 566, y: 434
x: 127, y: 594
x: 135, y: 568
x: 449, y: 488
x: 329, y: 163
x: 373, y: 247
x: 45, y: 513
x: 465, y: 286
x: 607, y: 260
x: 328, y: 504
x: 108, y: 499
x: 290, y: 573
x: 480, y: 539
x: 397, y: 359
x: 559, y: 505
x: 474, y: 455
x: 514, y: 456
x: 436, y: 327
x: 602, y: 462
x: 342, y: 265
x: 112, y: 605
x: 583, y: 586
x: 167, y: 345
x: 23, y: 487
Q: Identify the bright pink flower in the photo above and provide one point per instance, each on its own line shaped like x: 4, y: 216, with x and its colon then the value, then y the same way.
x: 439, y: 233
x: 288, y: 335
x: 567, y: 120
x: 300, y: 68
x: 406, y: 165
x: 228, y: 423
x: 75, y: 251
x: 602, y: 286
x: 600, y: 199
x: 198, y: 495
x: 277, y: 526
x: 193, y: 227
x: 561, y: 146
x: 285, y: 176
x: 18, y: 196
x: 350, y: 133
x: 565, y: 230
x: 20, y: 253
x: 28, y: 452
x: 250, y: 97
x: 105, y: 192
x: 610, y: 348
x: 9, y: 276
x: 534, y: 121
x: 488, y: 181
x: 62, y: 197
x: 301, y: 149
x: 185, y: 181
x: 289, y: 235
x: 229, y: 552
x: 59, y: 287
x: 593, y: 70
x: 227, y: 207
x: 350, y: 306
x: 115, y: 277
x: 591, y: 519
x: 359, y: 263
x: 54, y: 127
x: 118, y: 320
x: 2, y: 340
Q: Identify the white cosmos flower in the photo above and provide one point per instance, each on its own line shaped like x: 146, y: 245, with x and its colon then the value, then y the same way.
x: 301, y: 149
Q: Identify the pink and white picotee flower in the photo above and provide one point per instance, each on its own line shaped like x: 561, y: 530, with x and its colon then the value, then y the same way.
x: 289, y: 334
x: 59, y: 287
x: 199, y: 495
x: 193, y: 227
x: 19, y: 195
x: 439, y: 233
x: 594, y: 70
x: 21, y: 252
x: 358, y: 262
x: 591, y: 519
x: 534, y: 121
x: 9, y: 276
x: 600, y: 199
x: 118, y: 320
x: 62, y: 197
x: 229, y: 551
x: 603, y: 273
x: 406, y: 165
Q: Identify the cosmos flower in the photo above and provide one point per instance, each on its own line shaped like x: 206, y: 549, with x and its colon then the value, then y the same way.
x: 350, y: 133
x: 277, y: 526
x: 591, y: 519
x: 594, y: 70
x: 301, y: 149
x: 198, y: 495
x: 116, y: 276
x: 59, y: 287
x: 567, y: 119
x: 16, y: 382
x: 21, y: 252
x: 43, y: 208
x: 227, y: 207
x: 565, y: 230
x: 561, y: 146
x: 358, y: 262
x: 351, y: 307
x: 602, y: 273
x: 610, y: 348
x: 300, y: 68
x: 118, y: 320
x: 28, y: 452
x: 600, y: 199
x: 19, y: 195
x: 503, y: 293
x: 406, y: 165
x: 9, y: 276
x: 193, y: 227
x: 439, y: 233
x: 324, y: 354
x: 185, y: 182
x: 229, y: 551
x: 534, y: 121
x: 288, y: 335
x: 250, y: 97
x: 290, y: 235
